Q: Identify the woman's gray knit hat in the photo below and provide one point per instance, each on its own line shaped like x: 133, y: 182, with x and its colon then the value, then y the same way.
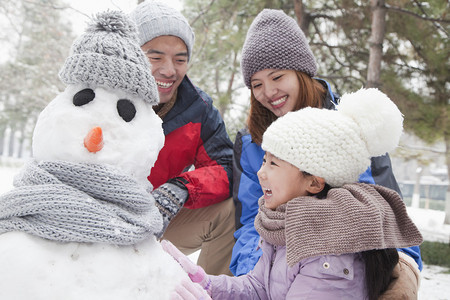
x: 108, y: 54
x: 156, y: 19
x: 275, y: 41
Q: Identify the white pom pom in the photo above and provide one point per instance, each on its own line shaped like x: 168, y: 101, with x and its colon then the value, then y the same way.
x: 379, y: 119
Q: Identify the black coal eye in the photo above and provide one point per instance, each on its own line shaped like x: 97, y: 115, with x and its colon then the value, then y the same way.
x: 83, y: 97
x: 126, y: 109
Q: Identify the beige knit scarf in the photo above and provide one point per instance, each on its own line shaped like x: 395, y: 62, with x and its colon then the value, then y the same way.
x: 270, y: 224
x: 357, y: 217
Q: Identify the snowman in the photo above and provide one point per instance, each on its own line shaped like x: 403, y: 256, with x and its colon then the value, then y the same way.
x: 80, y: 222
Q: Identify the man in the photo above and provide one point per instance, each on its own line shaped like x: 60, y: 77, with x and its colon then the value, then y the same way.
x: 195, y: 202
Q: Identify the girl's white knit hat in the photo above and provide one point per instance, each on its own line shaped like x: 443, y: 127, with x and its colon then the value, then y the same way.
x: 337, y: 144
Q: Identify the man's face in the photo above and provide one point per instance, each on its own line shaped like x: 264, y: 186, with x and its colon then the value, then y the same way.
x: 168, y: 56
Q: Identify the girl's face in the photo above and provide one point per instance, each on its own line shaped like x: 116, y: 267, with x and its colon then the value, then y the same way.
x: 281, y: 181
x: 275, y: 89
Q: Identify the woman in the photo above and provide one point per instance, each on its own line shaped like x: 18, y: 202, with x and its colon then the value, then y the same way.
x: 279, y: 68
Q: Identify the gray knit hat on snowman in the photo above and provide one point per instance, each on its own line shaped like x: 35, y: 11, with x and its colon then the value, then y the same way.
x: 155, y: 19
x: 337, y: 144
x: 108, y: 54
x: 275, y: 41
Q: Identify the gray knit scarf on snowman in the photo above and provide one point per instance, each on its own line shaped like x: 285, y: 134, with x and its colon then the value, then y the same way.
x: 355, y: 218
x: 78, y: 202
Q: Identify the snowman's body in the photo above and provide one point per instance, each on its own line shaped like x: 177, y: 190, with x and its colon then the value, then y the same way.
x: 37, y: 268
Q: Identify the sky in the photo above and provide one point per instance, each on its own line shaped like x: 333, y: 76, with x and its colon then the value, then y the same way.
x: 82, y: 9
x: 80, y: 12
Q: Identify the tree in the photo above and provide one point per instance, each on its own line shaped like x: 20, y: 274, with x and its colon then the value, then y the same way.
x: 220, y: 28
x: 408, y: 58
x: 418, y: 78
x: 39, y: 40
x: 401, y: 47
x: 376, y: 42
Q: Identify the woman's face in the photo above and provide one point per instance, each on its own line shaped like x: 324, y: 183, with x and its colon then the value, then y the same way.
x: 275, y: 89
x: 281, y: 181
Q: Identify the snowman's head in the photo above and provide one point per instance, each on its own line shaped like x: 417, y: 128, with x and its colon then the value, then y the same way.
x: 97, y: 125
x: 105, y: 114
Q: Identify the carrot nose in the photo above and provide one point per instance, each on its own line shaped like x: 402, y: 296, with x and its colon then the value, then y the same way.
x: 94, y: 140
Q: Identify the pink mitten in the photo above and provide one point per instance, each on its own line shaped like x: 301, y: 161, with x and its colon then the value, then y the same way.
x: 189, y: 290
x: 196, y: 273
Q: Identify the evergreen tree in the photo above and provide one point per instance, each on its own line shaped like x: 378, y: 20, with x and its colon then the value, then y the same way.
x: 414, y: 52
x: 38, y: 39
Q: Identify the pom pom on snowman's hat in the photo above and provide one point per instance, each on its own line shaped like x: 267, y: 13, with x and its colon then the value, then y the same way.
x: 337, y: 145
x: 108, y: 54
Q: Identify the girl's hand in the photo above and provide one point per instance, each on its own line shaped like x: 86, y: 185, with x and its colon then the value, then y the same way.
x: 195, y: 273
x: 189, y: 290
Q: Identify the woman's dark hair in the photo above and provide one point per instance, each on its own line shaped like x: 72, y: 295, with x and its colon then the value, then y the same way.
x: 312, y: 93
x: 379, y: 267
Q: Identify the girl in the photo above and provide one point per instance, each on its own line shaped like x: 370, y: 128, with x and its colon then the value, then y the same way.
x: 323, y: 236
x: 279, y: 68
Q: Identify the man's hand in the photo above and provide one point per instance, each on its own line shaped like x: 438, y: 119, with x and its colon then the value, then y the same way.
x: 169, y: 198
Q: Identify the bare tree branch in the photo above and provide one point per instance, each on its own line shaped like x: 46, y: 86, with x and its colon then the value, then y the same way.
x: 435, y: 21
x: 203, y: 12
x: 423, y: 149
x: 423, y: 17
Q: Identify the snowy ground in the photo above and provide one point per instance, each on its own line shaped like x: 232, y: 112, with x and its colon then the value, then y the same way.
x: 435, y: 282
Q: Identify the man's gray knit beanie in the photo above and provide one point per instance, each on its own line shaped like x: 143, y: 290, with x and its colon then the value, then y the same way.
x: 155, y: 19
x: 275, y: 41
x: 108, y: 54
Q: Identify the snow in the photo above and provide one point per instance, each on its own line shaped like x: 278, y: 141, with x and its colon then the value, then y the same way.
x: 431, y: 224
x: 435, y: 283
x: 51, y: 270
